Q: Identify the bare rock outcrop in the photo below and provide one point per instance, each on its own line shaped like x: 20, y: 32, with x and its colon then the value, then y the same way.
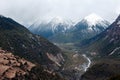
x: 15, y: 68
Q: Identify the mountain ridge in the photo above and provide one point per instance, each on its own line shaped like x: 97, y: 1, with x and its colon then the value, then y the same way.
x: 107, y: 41
x: 54, y: 26
x: 21, y: 42
x: 82, y: 30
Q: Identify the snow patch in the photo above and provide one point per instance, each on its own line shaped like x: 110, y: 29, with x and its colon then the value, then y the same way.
x: 54, y: 25
x: 55, y: 22
x: 93, y: 19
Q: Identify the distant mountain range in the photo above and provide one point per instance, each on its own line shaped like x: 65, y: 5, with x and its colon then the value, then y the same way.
x: 48, y: 29
x: 106, y: 43
x: 61, y: 30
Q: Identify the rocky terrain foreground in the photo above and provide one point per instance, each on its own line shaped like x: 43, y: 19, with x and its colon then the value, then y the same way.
x: 15, y: 68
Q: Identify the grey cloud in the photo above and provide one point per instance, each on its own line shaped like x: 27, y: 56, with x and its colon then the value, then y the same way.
x: 28, y: 11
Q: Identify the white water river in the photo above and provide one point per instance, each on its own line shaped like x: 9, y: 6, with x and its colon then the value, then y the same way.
x: 88, y: 64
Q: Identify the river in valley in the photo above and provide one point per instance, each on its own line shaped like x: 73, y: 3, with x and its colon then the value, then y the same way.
x: 83, y: 67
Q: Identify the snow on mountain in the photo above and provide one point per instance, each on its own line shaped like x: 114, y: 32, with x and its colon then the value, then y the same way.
x: 107, y: 42
x: 60, y: 28
x: 58, y: 20
x: 93, y: 19
x: 93, y: 22
x: 36, y: 24
x: 55, y: 25
x: 61, y: 24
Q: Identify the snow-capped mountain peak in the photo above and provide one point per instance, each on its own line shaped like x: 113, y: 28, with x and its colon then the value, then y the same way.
x: 93, y: 23
x: 93, y: 19
x: 57, y: 20
x: 60, y: 24
x: 55, y: 25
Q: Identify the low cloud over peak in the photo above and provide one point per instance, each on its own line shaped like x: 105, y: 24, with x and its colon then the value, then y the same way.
x: 28, y: 11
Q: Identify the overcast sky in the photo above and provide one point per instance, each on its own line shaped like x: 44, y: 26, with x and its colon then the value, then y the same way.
x: 28, y: 11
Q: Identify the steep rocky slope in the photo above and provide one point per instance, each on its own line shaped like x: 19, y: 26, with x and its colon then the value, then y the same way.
x: 106, y: 43
x: 20, y: 41
x: 104, y: 69
x: 89, y: 27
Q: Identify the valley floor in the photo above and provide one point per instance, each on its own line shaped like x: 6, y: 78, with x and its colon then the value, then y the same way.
x: 76, y: 64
